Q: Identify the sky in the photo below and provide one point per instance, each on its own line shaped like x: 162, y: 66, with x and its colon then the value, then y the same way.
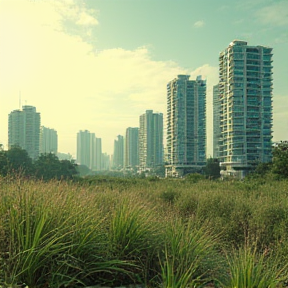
x: 98, y: 65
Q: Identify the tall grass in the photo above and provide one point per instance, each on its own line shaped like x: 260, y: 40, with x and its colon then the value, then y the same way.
x: 190, y: 255
x: 162, y: 233
x: 135, y: 236
x: 50, y: 237
x: 251, y: 269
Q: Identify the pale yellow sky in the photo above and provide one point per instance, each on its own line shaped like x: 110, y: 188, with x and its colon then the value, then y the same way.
x: 72, y: 85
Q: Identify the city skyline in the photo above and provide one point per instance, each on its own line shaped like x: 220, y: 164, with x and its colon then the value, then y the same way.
x: 98, y: 65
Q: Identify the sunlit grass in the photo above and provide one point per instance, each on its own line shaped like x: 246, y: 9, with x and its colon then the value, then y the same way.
x: 189, y: 255
x: 251, y: 269
x: 164, y: 233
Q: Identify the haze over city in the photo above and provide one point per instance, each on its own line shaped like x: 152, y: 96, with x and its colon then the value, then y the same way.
x: 99, y: 64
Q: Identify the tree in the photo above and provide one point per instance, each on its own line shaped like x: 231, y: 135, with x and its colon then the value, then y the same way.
x: 15, y: 161
x: 263, y: 168
x: 212, y: 168
x: 3, y: 163
x: 280, y: 159
x: 48, y: 167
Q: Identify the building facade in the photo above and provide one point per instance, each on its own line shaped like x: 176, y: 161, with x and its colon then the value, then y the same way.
x: 186, y: 125
x: 118, y: 156
x: 132, y: 147
x: 89, y: 150
x: 97, y: 154
x: 48, y: 140
x: 216, y: 121
x: 24, y: 130
x: 245, y: 95
x: 150, y: 139
x: 85, y: 144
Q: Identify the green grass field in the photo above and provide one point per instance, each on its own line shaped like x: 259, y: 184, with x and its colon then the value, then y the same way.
x: 164, y: 233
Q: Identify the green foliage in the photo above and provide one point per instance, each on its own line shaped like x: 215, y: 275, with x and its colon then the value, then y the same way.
x: 169, y: 196
x: 133, y: 236
x: 194, y: 177
x: 52, y: 237
x: 48, y: 167
x: 15, y: 161
x: 118, y: 231
x: 160, y: 171
x: 83, y: 170
x: 263, y: 168
x: 280, y: 160
x: 212, y: 168
x: 189, y: 256
x: 249, y: 269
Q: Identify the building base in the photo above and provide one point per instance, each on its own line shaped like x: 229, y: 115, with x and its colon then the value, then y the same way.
x: 179, y: 171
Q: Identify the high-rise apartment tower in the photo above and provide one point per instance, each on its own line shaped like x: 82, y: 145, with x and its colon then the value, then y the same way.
x: 48, y: 140
x: 89, y: 150
x: 150, y: 139
x: 24, y: 130
x: 216, y: 121
x: 245, y: 95
x: 132, y: 147
x: 186, y: 125
x: 118, y: 156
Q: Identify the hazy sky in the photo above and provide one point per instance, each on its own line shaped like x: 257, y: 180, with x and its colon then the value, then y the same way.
x: 99, y: 64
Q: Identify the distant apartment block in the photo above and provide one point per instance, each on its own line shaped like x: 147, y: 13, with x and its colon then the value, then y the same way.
x: 105, y: 162
x: 150, y: 139
x: 89, y: 150
x: 245, y: 95
x: 64, y: 156
x: 132, y: 147
x: 216, y: 121
x: 48, y: 141
x: 98, y: 154
x: 118, y: 156
x: 24, y: 130
x: 186, y: 125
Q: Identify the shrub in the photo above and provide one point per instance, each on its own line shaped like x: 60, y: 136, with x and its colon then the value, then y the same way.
x: 249, y: 269
x: 169, y: 196
x: 189, y: 256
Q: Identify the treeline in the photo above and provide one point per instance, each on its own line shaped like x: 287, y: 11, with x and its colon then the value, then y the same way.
x: 278, y: 168
x: 16, y: 161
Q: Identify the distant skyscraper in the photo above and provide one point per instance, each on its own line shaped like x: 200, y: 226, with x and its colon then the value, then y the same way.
x: 118, y: 157
x: 186, y: 124
x: 150, y: 139
x: 105, y: 162
x: 132, y: 147
x: 98, y: 154
x: 48, y: 140
x: 216, y: 121
x: 24, y: 130
x: 245, y: 93
x: 85, y: 148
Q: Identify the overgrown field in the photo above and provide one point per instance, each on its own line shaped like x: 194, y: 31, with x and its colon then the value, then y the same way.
x: 164, y: 233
